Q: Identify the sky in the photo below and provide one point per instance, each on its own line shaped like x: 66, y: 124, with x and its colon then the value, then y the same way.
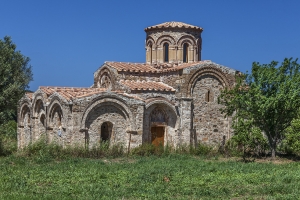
x: 68, y: 40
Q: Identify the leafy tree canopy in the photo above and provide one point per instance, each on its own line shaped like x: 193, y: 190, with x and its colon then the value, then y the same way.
x: 15, y: 76
x: 268, y: 98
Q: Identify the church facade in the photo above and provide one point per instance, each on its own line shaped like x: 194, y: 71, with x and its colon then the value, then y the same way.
x: 171, y: 99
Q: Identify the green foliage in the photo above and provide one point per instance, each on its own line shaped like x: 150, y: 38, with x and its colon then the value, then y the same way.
x: 205, y: 150
x: 291, y: 142
x: 144, y: 150
x: 268, y: 97
x: 15, y: 77
x: 249, y: 138
x: 8, y: 138
x: 41, y: 152
x: 175, y: 176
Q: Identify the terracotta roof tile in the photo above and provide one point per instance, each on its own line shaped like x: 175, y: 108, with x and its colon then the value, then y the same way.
x: 173, y: 25
x: 29, y: 94
x: 71, y: 92
x: 147, y: 85
x: 132, y: 67
x: 143, y: 67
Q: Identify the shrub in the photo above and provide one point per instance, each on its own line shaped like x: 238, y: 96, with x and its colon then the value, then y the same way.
x: 205, y: 150
x: 291, y: 142
x: 8, y: 138
x: 144, y: 150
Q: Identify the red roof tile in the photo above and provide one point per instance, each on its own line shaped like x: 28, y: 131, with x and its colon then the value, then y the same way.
x: 147, y: 85
x: 143, y: 67
x: 173, y: 25
x: 29, y: 94
x: 132, y: 67
x: 71, y: 92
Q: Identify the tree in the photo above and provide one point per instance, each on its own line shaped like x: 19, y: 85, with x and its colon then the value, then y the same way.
x: 291, y: 142
x: 268, y: 97
x: 15, y: 75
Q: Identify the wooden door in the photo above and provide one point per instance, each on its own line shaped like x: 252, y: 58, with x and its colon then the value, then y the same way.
x: 157, y: 136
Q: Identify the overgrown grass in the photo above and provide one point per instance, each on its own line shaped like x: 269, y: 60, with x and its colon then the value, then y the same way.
x: 8, y: 138
x: 176, y: 176
x: 42, y: 152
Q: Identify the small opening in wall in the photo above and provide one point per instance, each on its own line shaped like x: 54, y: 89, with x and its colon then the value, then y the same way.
x: 209, y: 96
x: 151, y: 53
x: 166, y: 52
x: 106, y: 130
x: 185, y: 52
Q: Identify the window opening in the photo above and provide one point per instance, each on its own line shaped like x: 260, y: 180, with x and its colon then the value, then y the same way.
x: 151, y: 53
x: 185, y: 52
x: 166, y: 52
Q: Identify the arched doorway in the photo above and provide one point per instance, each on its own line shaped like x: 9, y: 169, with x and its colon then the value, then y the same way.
x: 158, y: 119
x: 106, y: 131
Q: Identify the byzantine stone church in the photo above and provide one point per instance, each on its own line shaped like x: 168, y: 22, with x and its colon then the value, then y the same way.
x: 171, y: 99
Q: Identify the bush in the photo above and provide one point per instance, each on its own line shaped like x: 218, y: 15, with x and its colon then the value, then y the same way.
x: 8, y: 138
x: 291, y: 142
x: 41, y: 152
x: 205, y: 150
x: 249, y: 139
x: 144, y: 150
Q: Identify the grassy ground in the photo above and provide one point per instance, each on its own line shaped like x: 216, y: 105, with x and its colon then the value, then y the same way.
x: 167, y: 177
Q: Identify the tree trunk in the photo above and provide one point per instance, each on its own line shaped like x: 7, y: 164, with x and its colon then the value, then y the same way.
x: 273, y: 150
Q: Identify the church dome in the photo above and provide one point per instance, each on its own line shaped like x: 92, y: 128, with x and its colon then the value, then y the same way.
x: 173, y: 25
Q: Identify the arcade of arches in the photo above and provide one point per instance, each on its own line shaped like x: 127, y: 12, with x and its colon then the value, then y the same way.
x: 171, y: 99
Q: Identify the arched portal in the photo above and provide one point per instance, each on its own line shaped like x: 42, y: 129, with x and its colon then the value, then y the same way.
x: 158, y: 119
x: 106, y: 131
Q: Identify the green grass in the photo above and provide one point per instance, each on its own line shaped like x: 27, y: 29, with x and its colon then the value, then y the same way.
x: 166, y: 177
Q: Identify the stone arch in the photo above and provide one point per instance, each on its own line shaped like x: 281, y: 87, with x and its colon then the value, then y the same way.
x: 149, y: 40
x: 25, y: 110
x: 39, y: 96
x: 186, y: 39
x: 208, y: 122
x: 161, y: 115
x: 38, y: 122
x: 56, y: 123
x: 165, y: 38
x: 106, y: 98
x: 206, y: 71
x: 24, y: 129
x: 56, y: 97
x: 104, y: 78
x: 162, y: 102
x: 56, y: 114
x: 109, y: 112
x: 38, y: 107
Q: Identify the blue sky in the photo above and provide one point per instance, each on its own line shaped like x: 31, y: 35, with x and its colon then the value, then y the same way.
x: 68, y: 40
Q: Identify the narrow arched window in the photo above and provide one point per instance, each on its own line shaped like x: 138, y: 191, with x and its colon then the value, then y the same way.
x: 199, y: 52
x: 150, y: 53
x: 166, y: 52
x: 209, y: 97
x: 185, y: 53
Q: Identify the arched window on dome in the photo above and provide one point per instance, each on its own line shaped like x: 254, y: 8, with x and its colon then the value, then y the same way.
x: 166, y: 52
x: 199, y: 52
x: 151, y: 53
x: 185, y: 52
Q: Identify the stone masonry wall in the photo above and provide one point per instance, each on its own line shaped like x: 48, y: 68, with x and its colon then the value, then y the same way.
x: 208, y: 122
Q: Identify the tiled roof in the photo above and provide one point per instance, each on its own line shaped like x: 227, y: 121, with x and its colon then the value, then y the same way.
x: 143, y: 67
x: 147, y: 85
x: 71, y: 92
x: 174, y: 25
x: 132, y: 67
x: 29, y: 94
